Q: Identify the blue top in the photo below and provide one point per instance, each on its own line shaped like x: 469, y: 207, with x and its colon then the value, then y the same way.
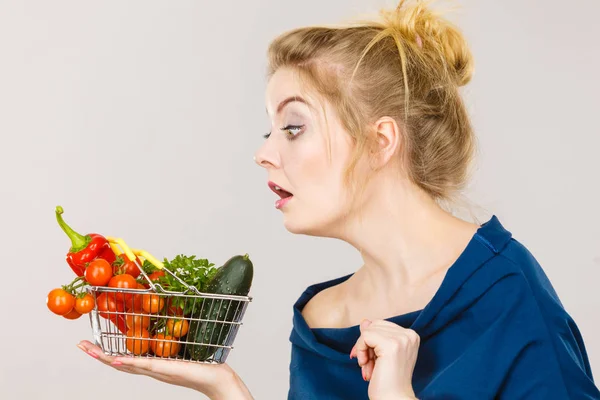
x: 494, y: 329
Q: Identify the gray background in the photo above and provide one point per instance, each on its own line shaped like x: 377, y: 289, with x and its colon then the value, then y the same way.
x: 141, y: 119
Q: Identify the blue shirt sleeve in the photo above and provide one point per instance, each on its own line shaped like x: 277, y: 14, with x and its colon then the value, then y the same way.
x: 554, y: 363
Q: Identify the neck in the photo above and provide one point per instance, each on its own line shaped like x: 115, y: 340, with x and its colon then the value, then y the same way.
x: 404, y: 237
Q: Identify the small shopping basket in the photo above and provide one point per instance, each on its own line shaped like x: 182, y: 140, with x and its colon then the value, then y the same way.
x: 152, y: 321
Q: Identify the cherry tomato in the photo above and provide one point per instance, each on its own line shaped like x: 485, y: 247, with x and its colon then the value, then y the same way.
x: 108, y: 302
x: 84, y: 305
x: 124, y: 281
x: 175, y: 311
x: 154, y: 277
x: 177, y: 327
x: 123, y: 265
x: 98, y: 272
x: 173, y: 305
x: 135, y: 342
x: 60, y: 302
x: 152, y: 303
x: 137, y: 322
x: 164, y: 348
x: 73, y: 314
x: 134, y: 304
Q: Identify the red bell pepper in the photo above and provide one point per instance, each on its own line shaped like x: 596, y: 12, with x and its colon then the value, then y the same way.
x: 84, y: 249
x: 119, y: 321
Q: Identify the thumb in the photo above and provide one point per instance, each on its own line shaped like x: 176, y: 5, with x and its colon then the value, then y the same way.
x: 365, y: 324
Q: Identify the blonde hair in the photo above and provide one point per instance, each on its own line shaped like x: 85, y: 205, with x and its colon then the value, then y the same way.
x: 408, y: 65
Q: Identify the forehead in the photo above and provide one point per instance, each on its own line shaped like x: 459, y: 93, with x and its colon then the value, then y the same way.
x: 286, y: 83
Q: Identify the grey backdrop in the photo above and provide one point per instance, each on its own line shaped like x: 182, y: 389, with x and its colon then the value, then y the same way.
x: 141, y: 119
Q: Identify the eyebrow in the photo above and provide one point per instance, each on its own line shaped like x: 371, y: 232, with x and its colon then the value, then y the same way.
x: 289, y: 100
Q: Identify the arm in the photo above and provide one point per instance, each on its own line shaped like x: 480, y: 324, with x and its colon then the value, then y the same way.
x: 217, y: 381
x: 539, y: 374
x: 237, y: 390
x: 554, y: 366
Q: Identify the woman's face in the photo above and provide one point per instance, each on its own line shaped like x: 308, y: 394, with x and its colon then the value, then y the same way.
x: 309, y: 185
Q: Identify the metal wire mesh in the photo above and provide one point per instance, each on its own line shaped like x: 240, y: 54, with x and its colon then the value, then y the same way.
x: 196, y: 327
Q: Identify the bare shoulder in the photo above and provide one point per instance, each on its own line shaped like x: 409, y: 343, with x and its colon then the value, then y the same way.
x: 324, y: 309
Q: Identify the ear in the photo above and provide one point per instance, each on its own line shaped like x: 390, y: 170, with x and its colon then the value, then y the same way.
x: 388, y: 139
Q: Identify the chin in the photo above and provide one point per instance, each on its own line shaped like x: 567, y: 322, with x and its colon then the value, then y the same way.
x: 296, y: 227
x: 312, y: 226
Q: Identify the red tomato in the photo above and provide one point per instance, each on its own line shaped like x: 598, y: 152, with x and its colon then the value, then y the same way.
x: 174, y: 306
x: 124, y: 281
x: 108, y: 302
x: 60, y: 302
x: 135, y: 341
x: 175, y: 311
x: 164, y: 348
x: 73, y: 314
x: 98, y: 272
x: 177, y: 328
x: 123, y: 265
x: 154, y: 277
x: 135, y: 303
x: 84, y: 305
x: 137, y: 322
x: 152, y: 303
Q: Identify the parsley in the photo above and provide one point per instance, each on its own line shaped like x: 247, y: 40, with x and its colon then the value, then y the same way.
x: 194, y: 272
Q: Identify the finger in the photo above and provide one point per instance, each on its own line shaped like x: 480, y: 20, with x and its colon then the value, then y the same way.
x: 147, y: 366
x: 371, y: 364
x: 361, y: 349
x: 365, y: 324
x: 368, y: 369
x: 142, y: 364
x: 140, y: 371
x: 95, y: 352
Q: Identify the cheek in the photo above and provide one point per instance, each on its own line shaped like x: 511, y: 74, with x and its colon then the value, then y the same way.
x: 316, y: 180
x: 307, y: 167
x: 322, y: 179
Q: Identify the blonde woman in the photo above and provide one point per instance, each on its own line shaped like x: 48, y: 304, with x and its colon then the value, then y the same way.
x: 369, y: 136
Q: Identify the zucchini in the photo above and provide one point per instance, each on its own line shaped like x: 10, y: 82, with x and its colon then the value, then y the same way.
x: 233, y: 278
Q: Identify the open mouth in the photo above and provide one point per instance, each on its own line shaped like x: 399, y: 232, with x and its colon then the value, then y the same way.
x: 284, y: 194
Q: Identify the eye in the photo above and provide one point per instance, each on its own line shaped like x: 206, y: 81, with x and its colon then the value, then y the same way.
x: 267, y: 135
x: 292, y: 131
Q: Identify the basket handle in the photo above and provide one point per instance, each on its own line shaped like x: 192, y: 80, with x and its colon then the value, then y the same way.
x: 117, y: 244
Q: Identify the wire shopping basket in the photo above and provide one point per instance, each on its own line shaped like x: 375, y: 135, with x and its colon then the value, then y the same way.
x: 156, y: 322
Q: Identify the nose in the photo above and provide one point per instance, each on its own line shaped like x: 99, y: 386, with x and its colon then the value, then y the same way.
x: 265, y: 158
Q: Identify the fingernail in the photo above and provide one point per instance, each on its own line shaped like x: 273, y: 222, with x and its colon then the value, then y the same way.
x: 93, y: 354
x: 362, y: 370
x: 117, y: 363
x: 81, y: 347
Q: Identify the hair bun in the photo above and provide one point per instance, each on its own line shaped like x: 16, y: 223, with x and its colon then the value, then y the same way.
x: 432, y: 34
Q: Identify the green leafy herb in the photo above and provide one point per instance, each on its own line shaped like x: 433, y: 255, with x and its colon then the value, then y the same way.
x: 192, y: 271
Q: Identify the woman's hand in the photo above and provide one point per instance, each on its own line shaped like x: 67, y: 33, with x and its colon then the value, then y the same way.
x: 217, y: 381
x: 387, y: 354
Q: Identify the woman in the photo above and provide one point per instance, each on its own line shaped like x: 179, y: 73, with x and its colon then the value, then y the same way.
x: 370, y: 136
